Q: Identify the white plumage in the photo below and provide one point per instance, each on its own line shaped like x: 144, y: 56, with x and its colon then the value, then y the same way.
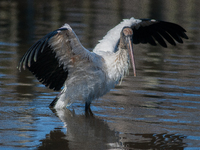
x: 59, y: 59
x: 109, y: 41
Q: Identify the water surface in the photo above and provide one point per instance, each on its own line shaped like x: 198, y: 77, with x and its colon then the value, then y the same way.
x: 158, y: 109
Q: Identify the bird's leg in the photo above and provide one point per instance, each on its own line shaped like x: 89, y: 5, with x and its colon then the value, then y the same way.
x: 88, y: 111
x: 87, y: 106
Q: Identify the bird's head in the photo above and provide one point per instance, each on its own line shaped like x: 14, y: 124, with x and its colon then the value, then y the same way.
x: 126, y: 43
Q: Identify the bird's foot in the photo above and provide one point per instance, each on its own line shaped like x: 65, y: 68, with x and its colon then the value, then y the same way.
x: 88, y: 111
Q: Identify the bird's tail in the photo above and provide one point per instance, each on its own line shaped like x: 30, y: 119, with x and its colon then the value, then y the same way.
x: 57, y: 99
x: 60, y: 101
x: 53, y: 103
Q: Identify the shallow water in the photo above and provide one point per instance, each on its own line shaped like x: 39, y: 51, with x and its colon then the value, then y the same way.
x: 158, y: 109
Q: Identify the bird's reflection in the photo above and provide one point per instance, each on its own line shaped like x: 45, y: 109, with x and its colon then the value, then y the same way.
x: 86, y: 131
x: 53, y: 141
x: 83, y: 132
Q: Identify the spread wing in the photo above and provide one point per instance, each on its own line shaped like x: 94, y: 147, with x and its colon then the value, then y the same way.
x: 54, y: 57
x: 149, y: 31
x: 144, y: 31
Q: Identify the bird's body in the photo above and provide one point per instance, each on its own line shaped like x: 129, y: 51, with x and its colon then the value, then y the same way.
x: 59, y: 59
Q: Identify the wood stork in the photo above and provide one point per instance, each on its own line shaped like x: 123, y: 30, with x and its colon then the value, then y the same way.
x: 59, y: 59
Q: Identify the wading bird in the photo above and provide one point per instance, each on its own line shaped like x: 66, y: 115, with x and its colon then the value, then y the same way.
x: 60, y: 60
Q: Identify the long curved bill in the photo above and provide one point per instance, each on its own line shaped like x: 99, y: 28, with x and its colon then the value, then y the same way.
x: 132, y: 57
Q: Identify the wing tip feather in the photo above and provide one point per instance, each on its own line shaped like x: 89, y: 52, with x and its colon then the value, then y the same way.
x: 172, y: 32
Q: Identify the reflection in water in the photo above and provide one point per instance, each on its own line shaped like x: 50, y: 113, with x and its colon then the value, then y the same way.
x: 56, y: 139
x: 83, y: 131
x: 153, y: 141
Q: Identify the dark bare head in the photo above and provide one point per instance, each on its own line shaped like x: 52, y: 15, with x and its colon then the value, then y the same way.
x: 127, y: 31
x: 126, y: 35
x: 127, y: 44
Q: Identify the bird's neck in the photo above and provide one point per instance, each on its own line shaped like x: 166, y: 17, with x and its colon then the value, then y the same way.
x: 110, y: 40
x: 117, y: 65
